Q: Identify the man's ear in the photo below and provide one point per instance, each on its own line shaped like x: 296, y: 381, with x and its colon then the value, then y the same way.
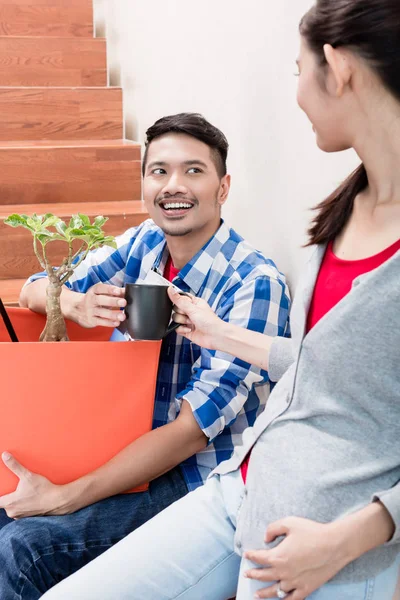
x: 224, y: 188
x: 340, y: 66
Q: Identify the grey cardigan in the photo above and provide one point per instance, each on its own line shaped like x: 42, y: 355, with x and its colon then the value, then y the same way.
x: 328, y: 441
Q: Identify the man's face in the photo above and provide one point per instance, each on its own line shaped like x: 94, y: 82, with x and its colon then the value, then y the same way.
x: 182, y: 189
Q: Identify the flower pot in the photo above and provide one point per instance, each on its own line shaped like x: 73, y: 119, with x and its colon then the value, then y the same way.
x: 67, y: 408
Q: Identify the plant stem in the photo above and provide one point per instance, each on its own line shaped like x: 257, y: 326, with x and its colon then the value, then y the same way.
x: 40, y: 259
x: 69, y: 267
x: 55, y: 329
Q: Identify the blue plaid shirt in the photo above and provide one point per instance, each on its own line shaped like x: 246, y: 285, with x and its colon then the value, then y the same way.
x: 243, y: 287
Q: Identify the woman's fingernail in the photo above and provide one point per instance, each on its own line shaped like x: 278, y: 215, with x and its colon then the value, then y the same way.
x: 256, y: 595
x: 6, y: 456
x: 246, y: 574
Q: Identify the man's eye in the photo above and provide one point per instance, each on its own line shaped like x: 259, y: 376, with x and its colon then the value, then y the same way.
x: 158, y: 171
x: 194, y: 170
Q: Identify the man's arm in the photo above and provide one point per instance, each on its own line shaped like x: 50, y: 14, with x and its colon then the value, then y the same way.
x: 143, y: 460
x: 33, y: 296
x: 100, y: 305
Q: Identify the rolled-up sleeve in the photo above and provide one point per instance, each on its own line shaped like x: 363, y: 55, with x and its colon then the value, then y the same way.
x: 220, y: 383
x: 281, y: 356
x: 391, y: 501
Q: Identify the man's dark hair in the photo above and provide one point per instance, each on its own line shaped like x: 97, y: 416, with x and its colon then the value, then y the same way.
x: 196, y: 126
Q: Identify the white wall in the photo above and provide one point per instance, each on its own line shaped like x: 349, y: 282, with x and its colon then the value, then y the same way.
x: 234, y: 62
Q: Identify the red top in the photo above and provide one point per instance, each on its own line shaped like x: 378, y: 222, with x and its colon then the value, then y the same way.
x: 334, y: 281
x: 170, y: 272
x: 336, y: 277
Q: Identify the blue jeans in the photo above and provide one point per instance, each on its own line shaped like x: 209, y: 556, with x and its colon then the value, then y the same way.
x: 187, y: 553
x: 38, y: 552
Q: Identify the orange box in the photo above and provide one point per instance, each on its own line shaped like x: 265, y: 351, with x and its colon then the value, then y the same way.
x: 68, y: 407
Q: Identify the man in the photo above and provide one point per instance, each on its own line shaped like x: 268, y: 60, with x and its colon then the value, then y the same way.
x: 204, y: 399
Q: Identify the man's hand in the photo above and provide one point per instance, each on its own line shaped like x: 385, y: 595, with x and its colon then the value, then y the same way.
x: 307, y: 558
x: 35, y: 495
x: 101, y: 305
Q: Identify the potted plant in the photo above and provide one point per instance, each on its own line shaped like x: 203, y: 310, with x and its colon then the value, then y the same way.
x: 69, y: 408
x: 80, y: 236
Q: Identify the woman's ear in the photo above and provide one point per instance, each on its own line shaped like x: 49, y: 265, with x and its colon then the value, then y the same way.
x: 340, y: 67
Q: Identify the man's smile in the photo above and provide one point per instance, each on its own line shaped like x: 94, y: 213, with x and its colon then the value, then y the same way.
x: 175, y: 208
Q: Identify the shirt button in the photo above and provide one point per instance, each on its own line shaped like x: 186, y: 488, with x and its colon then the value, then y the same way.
x: 238, y: 545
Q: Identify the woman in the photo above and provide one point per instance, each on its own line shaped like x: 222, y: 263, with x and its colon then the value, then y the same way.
x: 319, y: 515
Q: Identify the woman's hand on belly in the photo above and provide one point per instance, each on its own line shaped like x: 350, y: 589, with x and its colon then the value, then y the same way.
x: 308, y: 557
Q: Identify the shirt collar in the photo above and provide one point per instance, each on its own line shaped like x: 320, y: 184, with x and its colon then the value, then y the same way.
x: 194, y: 273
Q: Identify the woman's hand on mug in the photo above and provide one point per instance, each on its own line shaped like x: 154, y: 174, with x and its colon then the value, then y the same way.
x: 198, y: 322
x: 101, y: 306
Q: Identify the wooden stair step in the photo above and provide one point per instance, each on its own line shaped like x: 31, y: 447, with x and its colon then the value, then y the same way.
x: 60, y: 113
x: 41, y: 61
x: 46, y: 17
x: 50, y: 173
x: 16, y: 250
x: 10, y: 290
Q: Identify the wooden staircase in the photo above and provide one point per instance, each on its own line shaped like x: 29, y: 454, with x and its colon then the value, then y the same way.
x: 61, y: 130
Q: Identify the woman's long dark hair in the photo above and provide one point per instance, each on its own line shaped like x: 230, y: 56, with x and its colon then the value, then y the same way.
x: 371, y: 29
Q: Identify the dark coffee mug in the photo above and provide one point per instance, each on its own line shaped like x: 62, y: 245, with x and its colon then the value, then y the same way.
x: 148, y: 311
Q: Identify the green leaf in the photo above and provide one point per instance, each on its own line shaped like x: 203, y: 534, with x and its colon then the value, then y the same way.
x: 75, y: 222
x: 90, y: 230
x: 84, y: 218
x: 61, y: 227
x: 74, y: 233
x: 103, y: 240
x: 50, y: 220
x: 17, y: 221
x: 97, y: 239
x: 38, y: 219
x: 110, y: 241
x: 44, y: 237
x: 99, y: 221
x: 34, y: 223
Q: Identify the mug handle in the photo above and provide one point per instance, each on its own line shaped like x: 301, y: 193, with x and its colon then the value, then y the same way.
x: 171, y: 328
x: 174, y: 325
